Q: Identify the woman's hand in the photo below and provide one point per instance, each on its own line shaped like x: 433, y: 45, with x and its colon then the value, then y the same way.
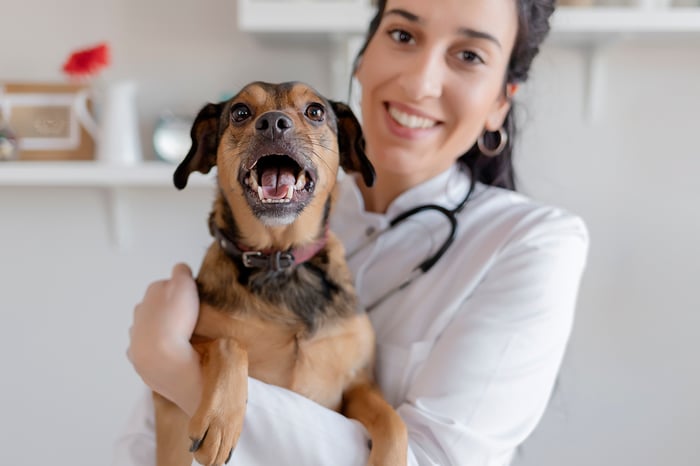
x: 160, y: 348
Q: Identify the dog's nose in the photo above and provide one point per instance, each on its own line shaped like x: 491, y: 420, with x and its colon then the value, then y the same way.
x: 273, y: 124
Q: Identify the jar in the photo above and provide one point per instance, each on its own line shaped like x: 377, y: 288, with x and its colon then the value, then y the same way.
x: 9, y: 145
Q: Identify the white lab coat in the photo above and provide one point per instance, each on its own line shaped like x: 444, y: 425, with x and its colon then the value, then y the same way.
x: 468, y: 354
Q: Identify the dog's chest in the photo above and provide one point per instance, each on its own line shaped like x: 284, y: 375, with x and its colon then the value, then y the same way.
x: 320, y: 367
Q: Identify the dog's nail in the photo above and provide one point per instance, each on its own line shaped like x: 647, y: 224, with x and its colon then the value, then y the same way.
x: 229, y: 456
x: 196, y: 443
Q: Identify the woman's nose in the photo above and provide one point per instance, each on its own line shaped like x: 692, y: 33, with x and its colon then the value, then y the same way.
x: 423, y: 76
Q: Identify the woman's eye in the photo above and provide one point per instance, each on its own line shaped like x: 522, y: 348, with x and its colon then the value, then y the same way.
x: 240, y: 112
x: 470, y: 57
x: 401, y: 36
x: 315, y: 112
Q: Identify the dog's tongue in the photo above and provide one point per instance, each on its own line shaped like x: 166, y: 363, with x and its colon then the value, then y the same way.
x: 275, y: 182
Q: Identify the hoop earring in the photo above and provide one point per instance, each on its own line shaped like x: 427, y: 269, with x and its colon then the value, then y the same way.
x: 502, y: 141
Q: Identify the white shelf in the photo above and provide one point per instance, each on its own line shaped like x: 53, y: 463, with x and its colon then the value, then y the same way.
x: 568, y: 23
x: 113, y: 180
x: 600, y: 24
x: 304, y: 16
x: 592, y: 29
x: 94, y: 174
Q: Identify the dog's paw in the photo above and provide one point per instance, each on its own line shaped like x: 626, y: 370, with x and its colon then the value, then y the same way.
x: 387, y: 457
x: 214, y: 435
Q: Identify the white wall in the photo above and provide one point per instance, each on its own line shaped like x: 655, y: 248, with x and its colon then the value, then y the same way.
x: 629, y: 393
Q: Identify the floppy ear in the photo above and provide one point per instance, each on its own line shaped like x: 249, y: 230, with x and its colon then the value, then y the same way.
x: 205, y: 140
x: 351, y: 143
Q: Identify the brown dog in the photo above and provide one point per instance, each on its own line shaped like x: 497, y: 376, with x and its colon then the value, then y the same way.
x: 277, y: 301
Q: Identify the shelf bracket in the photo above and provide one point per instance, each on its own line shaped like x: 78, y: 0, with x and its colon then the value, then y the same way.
x: 594, y: 56
x: 345, y: 48
x: 118, y: 218
x: 592, y: 85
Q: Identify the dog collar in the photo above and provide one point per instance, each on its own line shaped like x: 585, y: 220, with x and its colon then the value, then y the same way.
x: 269, y: 260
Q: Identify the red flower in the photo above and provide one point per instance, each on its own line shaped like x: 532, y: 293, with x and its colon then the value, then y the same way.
x: 87, y: 62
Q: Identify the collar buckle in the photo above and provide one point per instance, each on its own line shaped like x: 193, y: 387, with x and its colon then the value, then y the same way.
x: 250, y: 258
x: 276, y: 261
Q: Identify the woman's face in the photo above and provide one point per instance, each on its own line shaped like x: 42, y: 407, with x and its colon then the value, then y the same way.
x: 432, y: 80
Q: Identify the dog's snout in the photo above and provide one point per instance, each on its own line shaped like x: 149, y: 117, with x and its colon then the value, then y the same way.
x: 273, y: 124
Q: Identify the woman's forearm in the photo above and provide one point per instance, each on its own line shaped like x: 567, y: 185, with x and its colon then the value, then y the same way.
x: 185, y: 389
x: 160, y: 348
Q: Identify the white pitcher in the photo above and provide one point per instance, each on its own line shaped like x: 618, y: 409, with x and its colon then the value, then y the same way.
x: 116, y: 131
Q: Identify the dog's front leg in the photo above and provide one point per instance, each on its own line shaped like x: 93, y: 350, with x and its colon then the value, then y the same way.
x: 216, y: 425
x: 388, y: 433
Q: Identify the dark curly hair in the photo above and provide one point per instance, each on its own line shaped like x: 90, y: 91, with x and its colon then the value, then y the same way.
x: 533, y: 27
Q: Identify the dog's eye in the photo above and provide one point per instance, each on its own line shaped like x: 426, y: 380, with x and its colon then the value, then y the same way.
x: 240, y: 112
x: 315, y: 112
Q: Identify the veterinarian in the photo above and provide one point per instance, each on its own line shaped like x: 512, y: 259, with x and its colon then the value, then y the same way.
x: 469, y: 344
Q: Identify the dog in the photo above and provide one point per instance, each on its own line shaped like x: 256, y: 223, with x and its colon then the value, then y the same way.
x: 277, y: 301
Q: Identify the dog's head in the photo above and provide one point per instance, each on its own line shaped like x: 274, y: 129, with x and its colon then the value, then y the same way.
x: 277, y: 148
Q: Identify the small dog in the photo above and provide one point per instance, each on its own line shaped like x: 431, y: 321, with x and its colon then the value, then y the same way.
x: 277, y: 300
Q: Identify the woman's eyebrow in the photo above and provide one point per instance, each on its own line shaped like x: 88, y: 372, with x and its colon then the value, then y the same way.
x: 473, y: 33
x: 468, y: 32
x: 409, y: 16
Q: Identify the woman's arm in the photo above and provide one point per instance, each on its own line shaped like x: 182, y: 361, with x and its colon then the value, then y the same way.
x: 160, y: 348
x: 280, y: 426
x: 486, y: 382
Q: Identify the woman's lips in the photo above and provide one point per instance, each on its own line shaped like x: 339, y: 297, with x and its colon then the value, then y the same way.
x: 408, y: 124
x: 410, y: 120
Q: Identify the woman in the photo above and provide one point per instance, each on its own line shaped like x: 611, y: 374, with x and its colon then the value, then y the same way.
x: 469, y: 352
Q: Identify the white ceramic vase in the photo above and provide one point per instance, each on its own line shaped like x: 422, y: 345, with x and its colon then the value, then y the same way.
x: 116, y: 129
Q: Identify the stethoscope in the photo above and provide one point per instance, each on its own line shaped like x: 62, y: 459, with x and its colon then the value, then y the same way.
x: 428, y: 263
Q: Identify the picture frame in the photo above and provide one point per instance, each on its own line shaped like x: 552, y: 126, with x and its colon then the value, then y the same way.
x: 52, y: 121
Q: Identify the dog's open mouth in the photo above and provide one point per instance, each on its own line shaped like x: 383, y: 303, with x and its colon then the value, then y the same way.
x: 279, y: 179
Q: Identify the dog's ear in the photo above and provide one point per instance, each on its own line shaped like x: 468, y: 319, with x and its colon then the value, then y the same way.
x: 205, y: 140
x: 351, y: 143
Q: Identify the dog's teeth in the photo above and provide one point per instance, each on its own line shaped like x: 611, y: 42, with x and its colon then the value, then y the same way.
x: 260, y: 194
x: 290, y: 192
x: 253, y: 179
x: 301, y: 182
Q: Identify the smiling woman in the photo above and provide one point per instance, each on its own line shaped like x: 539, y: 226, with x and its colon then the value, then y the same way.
x: 468, y: 352
x: 447, y: 76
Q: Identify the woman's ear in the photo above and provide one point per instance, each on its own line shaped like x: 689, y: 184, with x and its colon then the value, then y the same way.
x: 501, y: 108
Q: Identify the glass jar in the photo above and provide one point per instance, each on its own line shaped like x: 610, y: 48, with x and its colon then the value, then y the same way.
x: 9, y: 145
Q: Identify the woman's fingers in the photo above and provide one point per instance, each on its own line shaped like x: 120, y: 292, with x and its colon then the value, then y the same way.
x: 181, y: 270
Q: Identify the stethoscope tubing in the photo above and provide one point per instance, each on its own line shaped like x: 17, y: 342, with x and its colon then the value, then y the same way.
x: 428, y: 263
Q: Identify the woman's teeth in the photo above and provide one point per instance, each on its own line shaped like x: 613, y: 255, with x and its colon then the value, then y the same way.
x: 410, y: 121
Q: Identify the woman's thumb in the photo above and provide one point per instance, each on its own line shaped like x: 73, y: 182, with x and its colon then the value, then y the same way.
x: 182, y: 270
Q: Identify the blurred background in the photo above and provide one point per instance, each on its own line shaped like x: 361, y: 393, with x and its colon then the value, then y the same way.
x: 609, y: 121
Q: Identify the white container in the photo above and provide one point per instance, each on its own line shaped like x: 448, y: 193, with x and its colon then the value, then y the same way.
x: 118, y: 140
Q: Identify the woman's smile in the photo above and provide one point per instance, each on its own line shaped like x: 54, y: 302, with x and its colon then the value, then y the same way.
x: 409, y: 118
x: 408, y: 123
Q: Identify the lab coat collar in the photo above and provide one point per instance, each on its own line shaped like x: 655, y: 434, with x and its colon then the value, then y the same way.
x: 446, y: 189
